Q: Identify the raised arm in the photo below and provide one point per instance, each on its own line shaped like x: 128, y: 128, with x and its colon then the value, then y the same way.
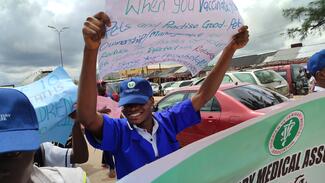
x: 214, y: 79
x: 93, y: 31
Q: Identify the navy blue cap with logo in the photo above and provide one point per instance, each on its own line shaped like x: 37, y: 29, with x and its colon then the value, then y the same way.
x: 18, y: 122
x: 135, y: 90
x: 316, y: 62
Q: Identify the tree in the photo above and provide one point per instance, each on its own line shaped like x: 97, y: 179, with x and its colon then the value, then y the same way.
x: 312, y: 18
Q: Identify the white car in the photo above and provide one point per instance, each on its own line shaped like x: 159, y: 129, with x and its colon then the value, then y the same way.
x: 155, y: 88
x: 262, y: 77
x: 177, y: 84
x: 166, y: 85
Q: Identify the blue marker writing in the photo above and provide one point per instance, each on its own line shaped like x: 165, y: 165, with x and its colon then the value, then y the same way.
x: 144, y: 6
x: 182, y: 6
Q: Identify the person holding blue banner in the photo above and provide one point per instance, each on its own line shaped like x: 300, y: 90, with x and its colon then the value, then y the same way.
x: 49, y: 155
x: 141, y: 137
x: 19, y: 139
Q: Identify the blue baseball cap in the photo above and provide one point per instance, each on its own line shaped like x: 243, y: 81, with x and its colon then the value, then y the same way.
x: 316, y: 62
x: 135, y: 90
x: 18, y: 122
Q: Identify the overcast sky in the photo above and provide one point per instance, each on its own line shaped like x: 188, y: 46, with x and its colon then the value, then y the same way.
x: 28, y: 45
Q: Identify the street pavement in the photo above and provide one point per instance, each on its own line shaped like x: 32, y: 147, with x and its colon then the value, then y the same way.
x: 95, y: 172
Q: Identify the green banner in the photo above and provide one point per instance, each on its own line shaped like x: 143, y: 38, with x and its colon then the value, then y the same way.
x: 285, y: 146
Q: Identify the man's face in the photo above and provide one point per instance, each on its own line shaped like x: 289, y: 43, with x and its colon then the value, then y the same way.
x: 137, y: 113
x: 16, y: 167
x: 320, y: 78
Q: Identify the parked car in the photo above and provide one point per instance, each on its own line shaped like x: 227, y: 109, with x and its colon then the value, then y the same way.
x: 177, y: 84
x: 232, y: 104
x: 226, y: 79
x: 155, y: 88
x: 166, y: 85
x: 113, y: 89
x: 296, y: 77
x: 262, y: 77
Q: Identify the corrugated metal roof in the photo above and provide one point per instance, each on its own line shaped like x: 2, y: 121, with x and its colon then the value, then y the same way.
x: 250, y: 60
x: 295, y: 53
x: 286, y: 54
x: 308, y: 51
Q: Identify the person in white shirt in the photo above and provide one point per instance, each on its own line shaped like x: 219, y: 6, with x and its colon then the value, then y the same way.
x: 51, y: 155
x: 19, y: 139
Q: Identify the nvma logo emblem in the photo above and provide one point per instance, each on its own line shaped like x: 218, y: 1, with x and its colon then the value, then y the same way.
x: 286, y: 133
x: 131, y: 84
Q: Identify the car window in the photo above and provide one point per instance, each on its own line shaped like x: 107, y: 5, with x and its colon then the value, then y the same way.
x: 211, y: 106
x: 113, y: 87
x: 171, y: 100
x: 245, y: 77
x: 165, y: 85
x: 227, y: 79
x: 268, y: 76
x: 185, y: 83
x: 255, y: 97
x: 199, y: 82
x: 154, y: 84
x: 296, y: 68
x: 283, y: 74
x: 176, y: 84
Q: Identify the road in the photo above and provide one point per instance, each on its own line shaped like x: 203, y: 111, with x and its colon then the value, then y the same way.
x: 95, y: 172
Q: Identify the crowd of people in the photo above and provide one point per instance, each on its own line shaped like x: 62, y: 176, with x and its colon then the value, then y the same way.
x: 128, y: 143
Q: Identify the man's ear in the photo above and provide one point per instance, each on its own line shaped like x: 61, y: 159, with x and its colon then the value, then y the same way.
x: 152, y: 100
x: 320, y: 75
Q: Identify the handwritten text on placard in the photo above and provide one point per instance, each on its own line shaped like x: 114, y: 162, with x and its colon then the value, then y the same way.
x: 53, y: 97
x: 144, y: 32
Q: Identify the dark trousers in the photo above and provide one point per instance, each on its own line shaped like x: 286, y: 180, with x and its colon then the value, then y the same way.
x: 107, y: 158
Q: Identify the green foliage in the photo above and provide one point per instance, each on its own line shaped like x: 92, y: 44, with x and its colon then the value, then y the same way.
x: 312, y: 18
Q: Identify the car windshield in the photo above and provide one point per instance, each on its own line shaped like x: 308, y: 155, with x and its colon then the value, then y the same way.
x: 255, y: 97
x: 268, y: 76
x: 185, y: 83
x: 113, y: 87
x: 283, y: 74
x: 226, y: 79
x: 296, y: 68
x: 165, y: 85
x: 245, y: 77
x: 154, y: 85
x: 176, y: 84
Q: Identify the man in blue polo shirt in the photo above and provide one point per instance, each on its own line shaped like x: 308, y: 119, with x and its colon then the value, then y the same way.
x: 141, y: 137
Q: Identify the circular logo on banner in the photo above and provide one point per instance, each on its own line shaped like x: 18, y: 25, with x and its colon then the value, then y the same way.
x: 131, y: 84
x: 286, y: 133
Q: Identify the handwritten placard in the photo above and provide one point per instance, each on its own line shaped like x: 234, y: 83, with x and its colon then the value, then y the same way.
x: 144, y: 32
x: 53, y: 97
